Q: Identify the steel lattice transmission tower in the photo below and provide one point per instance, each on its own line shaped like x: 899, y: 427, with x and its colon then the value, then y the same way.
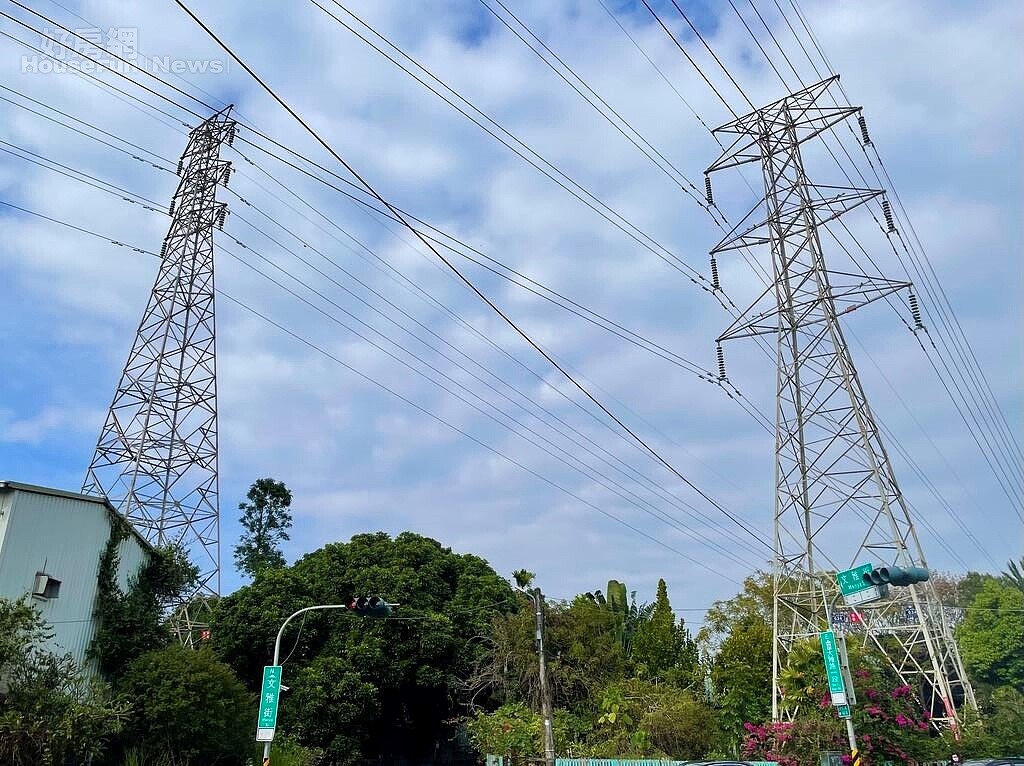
x: 156, y: 457
x: 837, y: 499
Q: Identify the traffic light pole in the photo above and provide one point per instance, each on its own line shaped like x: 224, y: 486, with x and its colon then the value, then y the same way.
x: 277, y: 649
x: 277, y: 653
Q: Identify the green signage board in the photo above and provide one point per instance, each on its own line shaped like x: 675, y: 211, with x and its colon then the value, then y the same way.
x: 852, y: 580
x: 832, y: 667
x: 266, y: 717
x: 843, y: 710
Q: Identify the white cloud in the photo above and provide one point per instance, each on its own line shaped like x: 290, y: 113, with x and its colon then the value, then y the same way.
x: 358, y: 458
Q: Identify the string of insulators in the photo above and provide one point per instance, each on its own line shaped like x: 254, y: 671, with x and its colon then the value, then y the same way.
x: 221, y: 216
x: 231, y: 133
x: 915, y: 311
x: 715, y: 284
x: 864, y: 129
x: 707, y: 190
x: 180, y: 166
x: 227, y: 174
x: 163, y: 249
x: 721, y: 363
x: 170, y: 210
x: 887, y: 212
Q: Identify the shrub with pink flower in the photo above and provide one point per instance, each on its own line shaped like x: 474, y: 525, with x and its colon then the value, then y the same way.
x: 889, y: 720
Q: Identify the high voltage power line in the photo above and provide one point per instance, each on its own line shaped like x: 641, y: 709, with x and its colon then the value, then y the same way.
x: 148, y: 204
x: 166, y: 114
x: 322, y: 351
x: 683, y: 478
x: 991, y: 413
x: 994, y: 455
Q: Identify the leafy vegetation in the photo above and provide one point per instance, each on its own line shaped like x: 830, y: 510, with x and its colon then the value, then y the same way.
x: 362, y: 688
x: 49, y: 712
x: 454, y: 672
x: 991, y: 637
x: 187, y: 705
x: 130, y: 622
x: 265, y: 520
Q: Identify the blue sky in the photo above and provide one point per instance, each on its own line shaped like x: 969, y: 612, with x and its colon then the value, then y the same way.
x: 940, y: 88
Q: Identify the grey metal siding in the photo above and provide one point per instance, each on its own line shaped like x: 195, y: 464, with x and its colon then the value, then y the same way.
x: 63, y: 537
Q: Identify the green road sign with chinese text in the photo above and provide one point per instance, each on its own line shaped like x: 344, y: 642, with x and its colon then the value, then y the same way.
x: 852, y: 580
x: 266, y: 719
x: 833, y: 667
x: 843, y: 710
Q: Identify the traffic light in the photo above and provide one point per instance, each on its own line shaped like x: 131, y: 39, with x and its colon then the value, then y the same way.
x: 372, y: 606
x: 896, y: 576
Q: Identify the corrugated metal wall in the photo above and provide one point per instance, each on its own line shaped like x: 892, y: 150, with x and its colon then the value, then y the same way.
x: 64, y: 538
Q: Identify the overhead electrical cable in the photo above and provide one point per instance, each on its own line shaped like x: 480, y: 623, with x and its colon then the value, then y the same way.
x: 319, y: 349
x: 153, y: 206
x: 494, y: 307
x: 531, y: 157
x: 994, y: 428
x: 782, y: 79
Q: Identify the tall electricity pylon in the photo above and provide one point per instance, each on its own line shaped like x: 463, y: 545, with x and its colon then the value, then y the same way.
x: 156, y: 457
x: 837, y: 500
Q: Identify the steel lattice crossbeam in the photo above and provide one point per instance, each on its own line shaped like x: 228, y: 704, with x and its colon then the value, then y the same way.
x: 156, y: 457
x: 837, y: 499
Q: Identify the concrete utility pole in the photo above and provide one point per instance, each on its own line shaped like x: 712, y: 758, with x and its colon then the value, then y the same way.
x: 545, y: 692
x: 537, y: 598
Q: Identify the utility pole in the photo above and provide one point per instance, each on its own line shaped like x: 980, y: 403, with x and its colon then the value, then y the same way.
x: 537, y: 599
x: 156, y: 455
x: 837, y: 500
x: 545, y: 692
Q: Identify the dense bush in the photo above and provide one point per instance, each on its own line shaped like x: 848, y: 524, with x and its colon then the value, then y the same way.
x: 187, y: 704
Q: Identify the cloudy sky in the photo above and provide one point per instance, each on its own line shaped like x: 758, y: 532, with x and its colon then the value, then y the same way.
x: 940, y: 84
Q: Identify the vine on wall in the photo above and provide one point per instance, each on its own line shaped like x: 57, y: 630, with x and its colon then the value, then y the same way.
x: 132, y: 621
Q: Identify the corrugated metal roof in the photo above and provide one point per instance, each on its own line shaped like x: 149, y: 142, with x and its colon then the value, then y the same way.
x: 22, y: 487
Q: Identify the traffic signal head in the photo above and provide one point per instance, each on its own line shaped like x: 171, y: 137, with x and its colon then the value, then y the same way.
x: 373, y: 606
x: 896, y: 575
x: 378, y: 607
x: 358, y: 604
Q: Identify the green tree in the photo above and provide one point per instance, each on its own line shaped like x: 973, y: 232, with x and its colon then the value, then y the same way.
x: 753, y: 604
x: 266, y: 519
x: 662, y: 647
x: 998, y: 730
x: 49, y: 711
x: 741, y: 676
x: 405, y: 675
x: 523, y: 577
x: 643, y: 719
x: 991, y: 636
x: 187, y: 706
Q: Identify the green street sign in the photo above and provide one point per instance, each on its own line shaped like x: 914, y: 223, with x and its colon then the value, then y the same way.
x: 843, y: 710
x: 833, y: 667
x: 852, y: 580
x: 855, y: 590
x: 266, y: 719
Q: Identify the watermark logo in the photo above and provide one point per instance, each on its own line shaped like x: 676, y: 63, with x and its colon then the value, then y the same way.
x: 92, y: 49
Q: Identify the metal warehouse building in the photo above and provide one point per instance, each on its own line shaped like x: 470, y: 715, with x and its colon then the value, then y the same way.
x: 50, y: 547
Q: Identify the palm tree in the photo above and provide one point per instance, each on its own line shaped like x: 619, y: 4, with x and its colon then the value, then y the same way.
x: 1014, y: 576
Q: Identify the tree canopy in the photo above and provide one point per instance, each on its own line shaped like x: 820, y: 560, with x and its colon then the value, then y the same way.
x: 380, y: 688
x: 265, y: 520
